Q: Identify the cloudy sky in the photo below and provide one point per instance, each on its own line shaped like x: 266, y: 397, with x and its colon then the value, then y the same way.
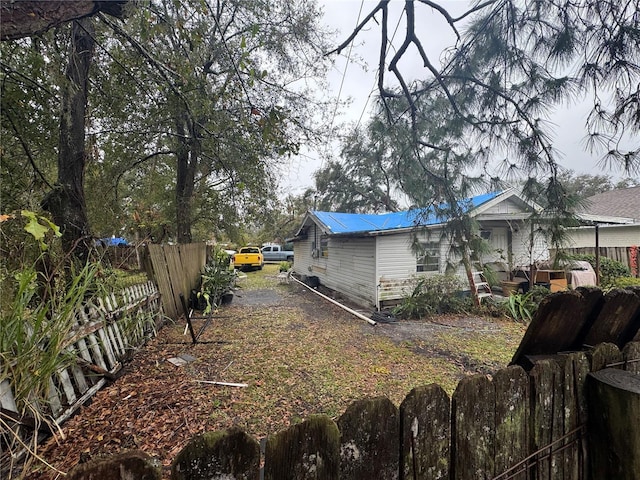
x: 354, y: 77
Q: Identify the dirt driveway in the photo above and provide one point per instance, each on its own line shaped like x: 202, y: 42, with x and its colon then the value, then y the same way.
x: 297, y: 353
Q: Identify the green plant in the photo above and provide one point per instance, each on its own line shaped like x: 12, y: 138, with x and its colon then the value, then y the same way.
x: 284, y: 266
x: 521, y: 306
x: 623, y: 282
x: 37, y: 322
x: 431, y: 295
x: 217, y: 279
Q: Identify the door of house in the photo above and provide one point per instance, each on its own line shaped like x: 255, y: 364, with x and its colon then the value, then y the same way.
x: 499, y: 242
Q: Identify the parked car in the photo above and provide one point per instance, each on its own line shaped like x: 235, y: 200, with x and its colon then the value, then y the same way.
x: 277, y: 253
x: 248, y: 258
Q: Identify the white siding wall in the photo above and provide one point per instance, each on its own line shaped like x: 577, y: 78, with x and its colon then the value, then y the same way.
x: 504, y: 207
x: 351, y: 269
x: 397, y: 265
x: 609, y: 236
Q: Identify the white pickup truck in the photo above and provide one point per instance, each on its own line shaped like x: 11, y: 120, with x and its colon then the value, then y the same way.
x: 277, y: 253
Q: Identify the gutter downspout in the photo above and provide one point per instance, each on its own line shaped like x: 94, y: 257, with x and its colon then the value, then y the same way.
x: 344, y: 307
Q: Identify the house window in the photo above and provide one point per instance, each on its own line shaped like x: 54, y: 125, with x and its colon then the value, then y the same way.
x: 324, y: 246
x: 428, y: 259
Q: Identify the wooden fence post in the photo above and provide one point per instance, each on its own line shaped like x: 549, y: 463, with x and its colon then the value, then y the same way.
x: 576, y: 369
x: 512, y: 406
x: 473, y: 428
x: 631, y: 354
x: 617, y: 322
x: 307, y: 451
x: 547, y: 419
x: 223, y: 455
x: 425, y: 434
x: 614, y: 433
x: 369, y: 435
x: 122, y: 466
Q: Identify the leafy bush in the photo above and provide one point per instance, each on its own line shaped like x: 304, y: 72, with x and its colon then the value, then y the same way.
x: 622, y: 282
x: 284, y: 266
x: 610, y: 269
x: 522, y: 306
x: 433, y: 295
x: 217, y: 279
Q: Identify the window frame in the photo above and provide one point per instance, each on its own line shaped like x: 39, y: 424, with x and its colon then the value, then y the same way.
x: 428, y: 250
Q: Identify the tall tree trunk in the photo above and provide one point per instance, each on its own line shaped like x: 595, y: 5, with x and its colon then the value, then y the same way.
x: 66, y: 201
x: 187, y: 156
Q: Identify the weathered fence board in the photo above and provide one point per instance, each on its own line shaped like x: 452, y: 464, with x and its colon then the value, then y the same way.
x: 425, y: 432
x: 615, y: 449
x: 473, y: 428
x: 621, y: 310
x: 307, y: 451
x: 206, y: 457
x: 575, y: 370
x: 177, y: 269
x: 570, y: 321
x: 631, y: 355
x: 546, y: 382
x: 512, y: 407
x: 369, y: 434
x: 97, y: 343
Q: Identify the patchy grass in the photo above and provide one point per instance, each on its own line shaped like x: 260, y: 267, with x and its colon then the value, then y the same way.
x: 299, y: 356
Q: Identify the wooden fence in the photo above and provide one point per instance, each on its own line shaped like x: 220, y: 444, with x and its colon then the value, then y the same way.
x: 511, y: 425
x: 177, y: 270
x: 105, y: 333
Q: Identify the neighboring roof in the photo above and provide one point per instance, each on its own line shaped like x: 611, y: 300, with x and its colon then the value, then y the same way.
x: 349, y: 223
x: 615, y: 203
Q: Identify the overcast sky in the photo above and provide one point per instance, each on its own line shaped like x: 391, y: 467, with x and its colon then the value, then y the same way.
x: 354, y: 77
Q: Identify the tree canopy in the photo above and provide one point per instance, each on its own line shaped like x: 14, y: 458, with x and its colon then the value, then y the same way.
x: 191, y: 107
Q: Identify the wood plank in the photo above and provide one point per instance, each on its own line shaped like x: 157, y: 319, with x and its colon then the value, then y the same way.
x: 473, y: 428
x: 67, y: 386
x: 369, y: 433
x: 547, y: 416
x: 307, y: 451
x: 425, y: 434
x: 604, y: 356
x: 226, y: 454
x: 512, y: 421
x: 615, y: 437
x: 575, y: 370
x: 618, y: 319
x: 631, y: 355
x: 161, y: 274
x: 557, y: 325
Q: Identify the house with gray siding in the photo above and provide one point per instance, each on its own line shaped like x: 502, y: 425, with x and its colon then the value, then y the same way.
x: 371, y: 259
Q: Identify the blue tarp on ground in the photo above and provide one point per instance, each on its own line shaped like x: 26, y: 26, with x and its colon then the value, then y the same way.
x: 112, y: 242
x: 343, y: 223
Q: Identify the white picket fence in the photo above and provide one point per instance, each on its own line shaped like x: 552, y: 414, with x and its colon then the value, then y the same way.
x: 105, y: 333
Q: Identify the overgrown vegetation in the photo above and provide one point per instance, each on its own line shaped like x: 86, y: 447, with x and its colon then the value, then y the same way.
x: 38, y: 312
x: 217, y: 279
x: 434, y: 295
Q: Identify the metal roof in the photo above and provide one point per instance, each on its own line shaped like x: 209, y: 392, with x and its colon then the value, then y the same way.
x: 345, y: 223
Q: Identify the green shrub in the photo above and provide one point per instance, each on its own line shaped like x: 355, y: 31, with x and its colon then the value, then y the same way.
x: 217, y: 279
x: 284, y: 266
x: 433, y: 295
x: 610, y: 269
x: 622, y: 282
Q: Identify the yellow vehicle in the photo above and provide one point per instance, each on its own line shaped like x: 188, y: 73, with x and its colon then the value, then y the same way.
x: 248, y: 258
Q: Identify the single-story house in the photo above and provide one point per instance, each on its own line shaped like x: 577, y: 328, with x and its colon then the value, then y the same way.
x: 615, y: 213
x: 369, y: 258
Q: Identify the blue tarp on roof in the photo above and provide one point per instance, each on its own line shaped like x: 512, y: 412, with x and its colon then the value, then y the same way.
x: 370, y: 222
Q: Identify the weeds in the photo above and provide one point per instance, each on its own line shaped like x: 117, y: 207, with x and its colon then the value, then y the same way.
x: 433, y: 295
